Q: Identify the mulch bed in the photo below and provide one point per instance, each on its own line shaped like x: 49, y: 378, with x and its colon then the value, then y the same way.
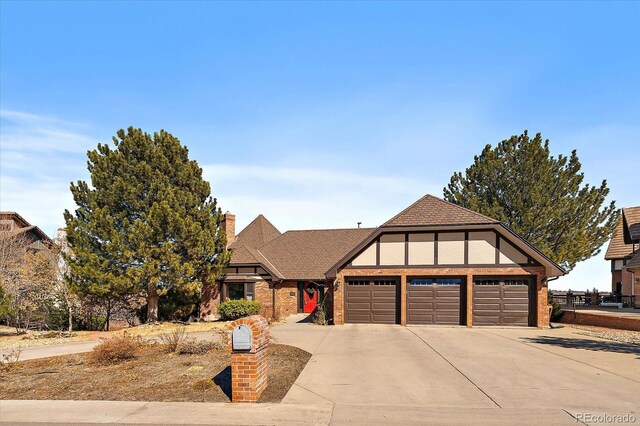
x: 153, y: 375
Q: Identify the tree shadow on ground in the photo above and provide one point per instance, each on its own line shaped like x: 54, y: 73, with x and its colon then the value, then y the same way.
x: 592, y: 345
x: 223, y: 380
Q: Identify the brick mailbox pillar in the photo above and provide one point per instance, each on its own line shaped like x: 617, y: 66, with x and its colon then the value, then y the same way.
x: 248, y: 346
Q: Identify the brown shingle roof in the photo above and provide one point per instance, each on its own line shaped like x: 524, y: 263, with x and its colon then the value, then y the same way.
x: 242, y: 255
x: 306, y: 255
x: 629, y: 222
x: 430, y: 210
x: 294, y: 254
x: 23, y: 226
x: 256, y: 234
x: 631, y: 217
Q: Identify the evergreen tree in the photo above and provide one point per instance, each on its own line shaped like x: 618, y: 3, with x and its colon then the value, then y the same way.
x: 538, y: 196
x: 146, y: 223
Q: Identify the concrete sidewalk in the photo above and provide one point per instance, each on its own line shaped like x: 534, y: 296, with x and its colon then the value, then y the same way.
x: 46, y: 351
x: 167, y: 413
x: 190, y: 413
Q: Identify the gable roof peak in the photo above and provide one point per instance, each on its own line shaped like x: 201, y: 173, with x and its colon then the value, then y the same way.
x: 256, y: 234
x: 431, y: 210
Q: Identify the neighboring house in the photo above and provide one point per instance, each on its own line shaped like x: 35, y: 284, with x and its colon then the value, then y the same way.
x: 11, y: 223
x: 433, y: 263
x: 633, y: 266
x: 623, y: 252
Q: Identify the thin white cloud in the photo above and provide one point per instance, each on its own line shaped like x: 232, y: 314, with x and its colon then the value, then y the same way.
x: 40, y: 201
x: 39, y: 156
x: 21, y: 131
x: 303, y: 198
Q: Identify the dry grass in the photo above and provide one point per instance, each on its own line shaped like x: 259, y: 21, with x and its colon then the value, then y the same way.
x: 198, y: 347
x: 9, y: 339
x: 168, y: 327
x: 152, y: 375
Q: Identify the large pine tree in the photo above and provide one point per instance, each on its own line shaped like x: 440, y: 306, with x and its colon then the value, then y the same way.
x: 145, y: 224
x: 540, y: 197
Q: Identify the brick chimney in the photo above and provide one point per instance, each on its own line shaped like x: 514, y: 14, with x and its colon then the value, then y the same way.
x: 229, y: 227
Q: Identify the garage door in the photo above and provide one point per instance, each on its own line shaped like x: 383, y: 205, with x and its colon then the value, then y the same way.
x: 501, y: 302
x: 434, y: 301
x: 371, y: 301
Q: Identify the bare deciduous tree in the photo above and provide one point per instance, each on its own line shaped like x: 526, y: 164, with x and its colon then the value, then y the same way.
x: 28, y: 278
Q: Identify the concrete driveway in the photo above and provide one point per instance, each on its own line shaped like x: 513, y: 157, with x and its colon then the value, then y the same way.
x: 379, y: 373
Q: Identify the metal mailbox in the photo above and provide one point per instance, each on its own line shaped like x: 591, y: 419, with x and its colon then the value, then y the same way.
x: 241, y: 338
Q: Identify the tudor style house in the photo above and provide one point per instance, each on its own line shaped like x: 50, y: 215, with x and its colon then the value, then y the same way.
x: 433, y: 263
x: 624, y: 254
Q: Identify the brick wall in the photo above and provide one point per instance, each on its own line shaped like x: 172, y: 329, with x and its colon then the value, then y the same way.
x: 287, y: 298
x: 627, y: 282
x: 249, y: 370
x: 606, y: 320
x: 264, y: 295
x: 542, y: 318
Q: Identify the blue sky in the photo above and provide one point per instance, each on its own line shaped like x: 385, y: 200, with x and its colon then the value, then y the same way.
x: 317, y: 114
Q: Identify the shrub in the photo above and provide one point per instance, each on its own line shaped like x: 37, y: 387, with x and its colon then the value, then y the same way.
x: 175, y: 338
x: 234, y: 309
x: 320, y: 316
x: 9, y: 360
x: 195, y: 347
x: 115, y: 350
x: 556, y: 311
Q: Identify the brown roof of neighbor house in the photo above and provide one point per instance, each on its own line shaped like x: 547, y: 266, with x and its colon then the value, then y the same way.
x: 16, y: 217
x: 24, y: 226
x: 256, y: 234
x: 307, y: 255
x: 634, y: 263
x: 631, y: 218
x: 430, y: 210
x: 629, y: 223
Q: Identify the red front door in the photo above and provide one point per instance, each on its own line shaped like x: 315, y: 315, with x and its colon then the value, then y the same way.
x: 310, y: 295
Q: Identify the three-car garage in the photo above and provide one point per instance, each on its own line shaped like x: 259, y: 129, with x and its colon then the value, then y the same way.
x: 496, y: 301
